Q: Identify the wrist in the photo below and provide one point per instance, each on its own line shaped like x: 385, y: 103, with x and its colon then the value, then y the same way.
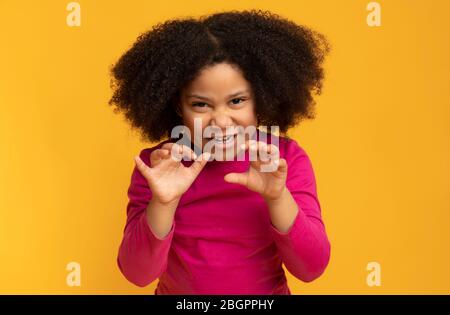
x: 157, y: 211
x: 276, y: 199
x: 160, y: 218
x: 163, y: 202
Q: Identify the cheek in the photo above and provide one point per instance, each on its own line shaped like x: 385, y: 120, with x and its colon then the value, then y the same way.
x: 190, y: 117
x: 248, y: 117
x: 202, y: 121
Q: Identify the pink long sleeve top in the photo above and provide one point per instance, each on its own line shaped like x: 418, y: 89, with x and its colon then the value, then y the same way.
x: 222, y: 240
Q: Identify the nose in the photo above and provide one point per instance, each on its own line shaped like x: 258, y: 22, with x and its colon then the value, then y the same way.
x: 222, y: 120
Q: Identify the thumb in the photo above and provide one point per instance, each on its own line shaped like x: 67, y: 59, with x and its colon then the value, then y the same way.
x: 142, y: 167
x: 237, y: 178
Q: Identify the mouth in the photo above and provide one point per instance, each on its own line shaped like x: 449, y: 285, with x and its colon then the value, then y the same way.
x: 224, y: 142
x: 224, y: 139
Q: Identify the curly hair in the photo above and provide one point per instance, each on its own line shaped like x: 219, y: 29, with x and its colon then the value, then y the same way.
x: 280, y: 59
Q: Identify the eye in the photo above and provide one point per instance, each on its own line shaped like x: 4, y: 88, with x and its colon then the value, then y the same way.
x: 237, y: 100
x: 199, y: 104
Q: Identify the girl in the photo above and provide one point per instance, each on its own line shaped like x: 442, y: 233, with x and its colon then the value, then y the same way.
x: 205, y: 225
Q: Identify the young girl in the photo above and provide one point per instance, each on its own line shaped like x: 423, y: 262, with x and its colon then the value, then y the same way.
x: 205, y: 225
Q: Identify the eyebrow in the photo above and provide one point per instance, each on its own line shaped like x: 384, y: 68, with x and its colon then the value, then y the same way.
x: 229, y: 96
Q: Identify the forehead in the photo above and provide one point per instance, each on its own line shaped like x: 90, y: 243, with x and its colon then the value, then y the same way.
x: 218, y: 79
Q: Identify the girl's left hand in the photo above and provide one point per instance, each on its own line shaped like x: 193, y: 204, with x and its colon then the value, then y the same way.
x: 271, y: 182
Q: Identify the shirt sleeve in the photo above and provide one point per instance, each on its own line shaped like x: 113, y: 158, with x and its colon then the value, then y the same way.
x: 142, y: 256
x: 304, y: 248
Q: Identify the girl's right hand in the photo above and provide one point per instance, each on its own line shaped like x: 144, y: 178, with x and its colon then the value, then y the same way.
x: 167, y: 177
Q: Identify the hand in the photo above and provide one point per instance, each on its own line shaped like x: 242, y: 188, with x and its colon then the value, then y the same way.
x: 265, y: 176
x: 167, y: 177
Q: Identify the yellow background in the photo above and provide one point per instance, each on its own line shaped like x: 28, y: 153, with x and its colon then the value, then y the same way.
x: 379, y: 145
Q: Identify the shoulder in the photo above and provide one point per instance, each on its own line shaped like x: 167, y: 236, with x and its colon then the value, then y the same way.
x: 290, y: 149
x: 296, y: 156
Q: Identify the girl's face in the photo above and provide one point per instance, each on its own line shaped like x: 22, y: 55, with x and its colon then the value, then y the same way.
x: 220, y: 97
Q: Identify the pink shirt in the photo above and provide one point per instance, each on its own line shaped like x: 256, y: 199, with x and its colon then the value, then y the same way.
x: 222, y: 240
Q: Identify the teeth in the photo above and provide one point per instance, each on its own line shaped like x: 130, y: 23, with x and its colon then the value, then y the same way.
x: 223, y: 139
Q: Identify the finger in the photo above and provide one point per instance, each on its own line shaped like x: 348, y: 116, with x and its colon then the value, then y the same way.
x: 168, y: 145
x: 189, y: 153
x: 141, y: 166
x: 163, y: 153
x: 266, y: 153
x: 283, y: 166
x: 270, y: 157
x: 253, y: 154
x: 201, y: 161
x: 255, y: 145
x: 273, y: 154
x: 158, y: 155
x: 273, y: 149
x: 236, y: 178
x: 257, y: 152
x: 180, y: 151
x: 263, y: 157
x: 173, y: 148
x: 247, y: 143
x: 246, y: 146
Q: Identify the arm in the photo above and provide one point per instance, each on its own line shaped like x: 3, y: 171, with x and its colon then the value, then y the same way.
x: 297, y: 226
x: 143, y: 253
